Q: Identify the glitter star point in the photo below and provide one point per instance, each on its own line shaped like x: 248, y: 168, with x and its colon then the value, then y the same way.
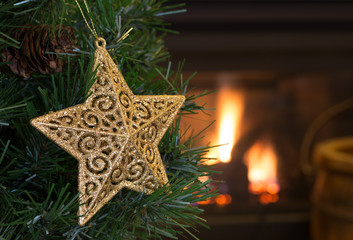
x: 114, y: 135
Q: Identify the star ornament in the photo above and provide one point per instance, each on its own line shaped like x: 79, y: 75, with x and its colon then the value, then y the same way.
x: 114, y: 135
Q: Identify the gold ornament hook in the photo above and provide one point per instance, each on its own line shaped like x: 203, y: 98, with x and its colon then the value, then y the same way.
x: 93, y: 29
x: 100, y: 43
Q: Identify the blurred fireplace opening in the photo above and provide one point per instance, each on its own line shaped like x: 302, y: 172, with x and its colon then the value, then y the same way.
x: 273, y: 116
x: 291, y: 60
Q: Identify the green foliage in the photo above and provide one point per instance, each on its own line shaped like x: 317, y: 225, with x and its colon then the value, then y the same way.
x: 38, y: 190
x: 12, y: 101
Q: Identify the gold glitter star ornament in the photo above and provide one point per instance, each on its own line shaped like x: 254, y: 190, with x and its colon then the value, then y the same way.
x: 114, y: 135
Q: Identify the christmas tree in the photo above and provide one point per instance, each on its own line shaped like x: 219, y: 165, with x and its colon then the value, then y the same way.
x: 48, y: 64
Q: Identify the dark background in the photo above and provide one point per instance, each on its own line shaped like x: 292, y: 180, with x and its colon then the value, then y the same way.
x: 282, y: 35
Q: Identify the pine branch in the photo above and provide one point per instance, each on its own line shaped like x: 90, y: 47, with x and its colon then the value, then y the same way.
x: 12, y: 101
x: 38, y: 190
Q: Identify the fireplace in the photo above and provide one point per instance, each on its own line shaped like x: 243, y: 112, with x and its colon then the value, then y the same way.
x: 261, y: 118
x: 275, y: 67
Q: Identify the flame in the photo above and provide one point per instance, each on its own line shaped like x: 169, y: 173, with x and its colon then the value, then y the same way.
x: 262, y: 172
x: 230, y: 103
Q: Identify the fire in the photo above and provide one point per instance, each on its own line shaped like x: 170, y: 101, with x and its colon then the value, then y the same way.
x: 262, y: 172
x: 230, y: 104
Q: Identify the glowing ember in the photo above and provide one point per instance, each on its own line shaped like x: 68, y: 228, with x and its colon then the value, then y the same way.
x: 262, y: 172
x: 229, y: 113
x: 206, y: 202
x: 209, y: 200
x: 223, y: 200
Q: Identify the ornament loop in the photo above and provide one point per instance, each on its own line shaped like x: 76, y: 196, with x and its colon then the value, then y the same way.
x: 100, y: 42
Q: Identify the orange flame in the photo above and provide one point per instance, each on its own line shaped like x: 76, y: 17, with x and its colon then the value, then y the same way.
x: 262, y: 172
x: 230, y: 103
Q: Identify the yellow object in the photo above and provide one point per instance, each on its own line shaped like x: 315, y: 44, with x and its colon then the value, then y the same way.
x: 114, y: 135
x: 332, y: 195
x: 93, y: 29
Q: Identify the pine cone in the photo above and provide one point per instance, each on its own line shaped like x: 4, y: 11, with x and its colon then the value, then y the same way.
x: 37, y: 50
